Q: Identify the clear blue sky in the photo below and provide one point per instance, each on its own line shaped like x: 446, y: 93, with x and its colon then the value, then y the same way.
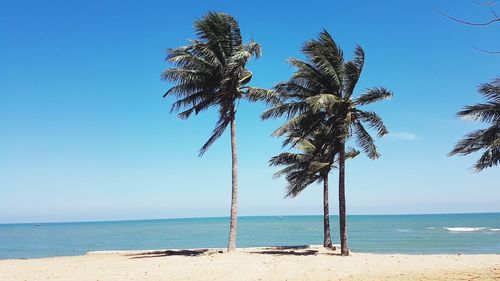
x: 86, y: 135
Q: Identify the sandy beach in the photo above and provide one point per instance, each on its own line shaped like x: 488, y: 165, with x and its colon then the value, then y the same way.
x: 307, y: 263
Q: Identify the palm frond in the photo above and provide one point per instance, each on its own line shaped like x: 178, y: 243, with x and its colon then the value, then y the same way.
x: 373, y: 120
x: 484, y: 112
x: 220, y: 32
x: 264, y: 95
x: 285, y: 109
x: 373, y: 95
x: 490, y: 158
x: 254, y: 49
x: 327, y: 58
x: 353, y: 70
x: 220, y: 127
x: 185, y: 76
x: 194, y: 100
x: 294, y: 188
x: 480, y: 139
x: 351, y: 153
x: 289, y: 125
x: 325, y: 102
x: 491, y: 90
x: 308, y: 76
x: 300, y: 128
x: 291, y: 168
x: 288, y: 158
x: 365, y: 141
x: 197, y: 108
x: 294, y: 89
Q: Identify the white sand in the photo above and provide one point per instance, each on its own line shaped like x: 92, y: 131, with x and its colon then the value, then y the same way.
x: 314, y: 263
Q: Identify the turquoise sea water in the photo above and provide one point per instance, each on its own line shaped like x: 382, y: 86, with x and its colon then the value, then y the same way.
x: 412, y: 234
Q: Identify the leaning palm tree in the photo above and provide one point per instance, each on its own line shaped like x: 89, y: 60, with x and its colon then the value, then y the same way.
x: 210, y: 72
x: 320, y: 95
x: 313, y: 163
x: 484, y: 139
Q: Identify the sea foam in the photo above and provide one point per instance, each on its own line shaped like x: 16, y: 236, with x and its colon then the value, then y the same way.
x: 464, y: 229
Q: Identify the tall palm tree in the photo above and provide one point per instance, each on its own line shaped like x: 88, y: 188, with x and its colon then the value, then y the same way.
x: 484, y: 139
x: 210, y: 72
x: 319, y: 95
x: 312, y: 163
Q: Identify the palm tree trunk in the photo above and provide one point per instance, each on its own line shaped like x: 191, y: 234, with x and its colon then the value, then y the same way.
x: 344, y: 249
x: 234, y: 189
x: 327, y: 241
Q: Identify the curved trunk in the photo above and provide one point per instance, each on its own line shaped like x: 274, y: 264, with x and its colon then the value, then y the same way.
x: 344, y: 249
x: 327, y: 241
x: 234, y: 191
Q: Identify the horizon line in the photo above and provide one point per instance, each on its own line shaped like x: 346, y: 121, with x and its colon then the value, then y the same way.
x: 246, y: 216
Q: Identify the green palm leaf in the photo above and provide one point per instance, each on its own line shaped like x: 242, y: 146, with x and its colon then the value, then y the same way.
x: 485, y: 139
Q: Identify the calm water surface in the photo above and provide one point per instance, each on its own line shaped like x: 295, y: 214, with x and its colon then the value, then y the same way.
x: 422, y: 234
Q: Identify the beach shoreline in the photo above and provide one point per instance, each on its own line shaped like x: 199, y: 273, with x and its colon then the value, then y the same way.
x: 262, y: 263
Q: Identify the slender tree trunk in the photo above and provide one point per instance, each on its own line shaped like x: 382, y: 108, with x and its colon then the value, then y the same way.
x: 344, y: 249
x: 234, y: 194
x: 327, y: 241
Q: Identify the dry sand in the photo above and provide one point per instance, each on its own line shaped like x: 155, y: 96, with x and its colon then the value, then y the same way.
x: 311, y: 263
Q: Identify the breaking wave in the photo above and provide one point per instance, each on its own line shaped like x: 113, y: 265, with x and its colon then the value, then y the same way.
x: 469, y: 229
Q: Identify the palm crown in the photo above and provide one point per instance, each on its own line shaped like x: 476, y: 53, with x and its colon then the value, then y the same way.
x: 304, y: 167
x: 485, y: 139
x: 211, y: 71
x: 311, y: 163
x: 319, y: 96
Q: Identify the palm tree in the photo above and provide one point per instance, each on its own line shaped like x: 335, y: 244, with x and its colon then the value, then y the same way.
x: 487, y: 139
x: 210, y: 72
x: 312, y: 163
x: 319, y: 95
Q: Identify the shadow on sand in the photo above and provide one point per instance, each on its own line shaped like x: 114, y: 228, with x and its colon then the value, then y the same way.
x: 291, y: 253
x: 304, y: 250
x: 287, y: 250
x: 166, y: 253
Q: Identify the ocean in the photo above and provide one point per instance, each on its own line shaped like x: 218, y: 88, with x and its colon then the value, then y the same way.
x: 405, y: 234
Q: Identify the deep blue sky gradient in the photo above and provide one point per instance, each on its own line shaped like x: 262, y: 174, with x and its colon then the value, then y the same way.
x: 86, y: 135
